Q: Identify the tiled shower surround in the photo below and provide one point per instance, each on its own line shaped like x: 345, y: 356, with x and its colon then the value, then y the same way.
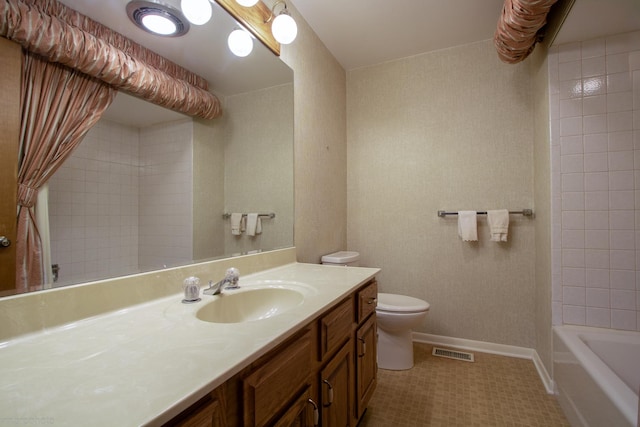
x: 96, y: 200
x: 595, y: 137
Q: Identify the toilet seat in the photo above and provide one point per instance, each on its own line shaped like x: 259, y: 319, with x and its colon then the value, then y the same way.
x: 400, y: 304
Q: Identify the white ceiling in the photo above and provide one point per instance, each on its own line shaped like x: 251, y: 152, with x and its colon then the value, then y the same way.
x: 366, y: 32
x: 358, y: 33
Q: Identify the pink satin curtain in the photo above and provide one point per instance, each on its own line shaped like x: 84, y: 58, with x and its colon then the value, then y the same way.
x: 59, y: 106
x: 518, y: 28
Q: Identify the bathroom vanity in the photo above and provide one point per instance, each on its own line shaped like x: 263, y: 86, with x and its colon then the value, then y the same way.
x: 324, y: 374
x: 158, y: 363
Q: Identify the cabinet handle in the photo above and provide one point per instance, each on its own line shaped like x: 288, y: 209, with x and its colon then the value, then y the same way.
x: 364, y: 347
x: 372, y: 300
x: 330, y: 392
x: 316, y: 413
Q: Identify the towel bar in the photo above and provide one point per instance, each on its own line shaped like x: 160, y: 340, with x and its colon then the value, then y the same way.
x: 523, y: 212
x: 269, y: 215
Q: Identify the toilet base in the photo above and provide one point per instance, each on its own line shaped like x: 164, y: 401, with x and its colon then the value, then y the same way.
x: 395, y: 350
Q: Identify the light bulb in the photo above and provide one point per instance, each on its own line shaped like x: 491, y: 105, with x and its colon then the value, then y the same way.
x: 240, y: 43
x: 159, y: 24
x: 246, y: 3
x: 284, y: 28
x: 198, y: 12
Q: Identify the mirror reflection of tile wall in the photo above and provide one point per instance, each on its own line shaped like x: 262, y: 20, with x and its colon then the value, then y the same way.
x: 111, y: 203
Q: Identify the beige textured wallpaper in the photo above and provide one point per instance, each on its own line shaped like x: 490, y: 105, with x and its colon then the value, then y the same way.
x: 258, y: 173
x: 453, y: 130
x: 320, y: 145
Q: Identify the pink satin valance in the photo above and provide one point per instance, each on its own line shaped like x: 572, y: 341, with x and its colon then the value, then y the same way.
x: 518, y: 27
x: 29, y: 23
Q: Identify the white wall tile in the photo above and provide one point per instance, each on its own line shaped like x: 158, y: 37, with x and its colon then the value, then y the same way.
x: 576, y: 181
x: 575, y: 295
x: 621, y: 200
x: 592, y: 48
x: 572, y: 145
x: 596, y: 181
x: 596, y: 200
x: 597, y: 259
x: 623, y: 299
x: 573, y: 258
x: 597, y: 297
x: 594, y: 66
x: 622, y: 179
x: 573, y: 201
x: 595, y: 162
x: 596, y: 239
x: 596, y: 123
x: 598, y: 317
x: 594, y: 86
x: 572, y: 276
x: 594, y: 105
x: 623, y: 319
x: 622, y: 279
x: 623, y: 259
x: 620, y: 121
x: 569, y: 89
x: 573, y: 107
x: 596, y: 220
x: 616, y: 63
x: 573, y: 315
x: 616, y: 102
x: 622, y: 220
x: 573, y: 69
x: 573, y: 126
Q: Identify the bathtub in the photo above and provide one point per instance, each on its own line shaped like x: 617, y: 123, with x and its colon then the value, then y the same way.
x: 597, y: 375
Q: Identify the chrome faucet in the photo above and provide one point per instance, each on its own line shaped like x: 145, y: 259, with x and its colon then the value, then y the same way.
x: 230, y: 281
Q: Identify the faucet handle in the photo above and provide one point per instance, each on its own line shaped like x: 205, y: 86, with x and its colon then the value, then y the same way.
x: 191, y: 286
x: 232, y: 276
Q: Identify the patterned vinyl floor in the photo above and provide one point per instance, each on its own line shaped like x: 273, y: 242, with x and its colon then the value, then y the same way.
x: 492, y: 391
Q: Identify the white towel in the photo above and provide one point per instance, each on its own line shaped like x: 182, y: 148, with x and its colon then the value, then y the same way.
x: 467, y: 226
x: 252, y: 224
x: 498, y: 221
x: 236, y: 218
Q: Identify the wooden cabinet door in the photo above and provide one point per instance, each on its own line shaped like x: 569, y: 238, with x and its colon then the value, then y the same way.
x: 366, y: 363
x: 209, y: 412
x: 269, y: 389
x: 336, y: 390
x: 10, y: 77
x: 302, y: 413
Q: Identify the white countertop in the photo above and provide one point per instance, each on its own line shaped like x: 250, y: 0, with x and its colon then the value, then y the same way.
x: 146, y: 363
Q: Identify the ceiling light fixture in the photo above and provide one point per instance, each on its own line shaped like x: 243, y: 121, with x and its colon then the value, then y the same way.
x: 157, y: 18
x: 247, y: 3
x: 240, y: 42
x: 198, y: 12
x: 283, y: 27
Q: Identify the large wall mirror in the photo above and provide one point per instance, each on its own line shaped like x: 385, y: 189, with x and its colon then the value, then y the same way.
x: 148, y: 188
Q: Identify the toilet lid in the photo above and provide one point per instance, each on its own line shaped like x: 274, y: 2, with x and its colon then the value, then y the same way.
x: 401, y: 303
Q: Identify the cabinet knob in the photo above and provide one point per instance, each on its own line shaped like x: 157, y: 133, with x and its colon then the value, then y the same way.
x: 372, y: 300
x: 330, y: 392
x: 4, y: 242
x: 316, y: 413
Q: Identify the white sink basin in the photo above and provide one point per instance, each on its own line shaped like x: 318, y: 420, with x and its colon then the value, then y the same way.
x: 250, y: 304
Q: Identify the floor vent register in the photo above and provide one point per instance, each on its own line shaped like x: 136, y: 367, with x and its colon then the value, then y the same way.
x: 452, y: 354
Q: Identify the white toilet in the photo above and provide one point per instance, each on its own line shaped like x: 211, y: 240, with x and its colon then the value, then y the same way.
x: 397, y: 315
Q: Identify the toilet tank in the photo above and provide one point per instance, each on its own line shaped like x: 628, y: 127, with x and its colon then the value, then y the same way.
x: 347, y: 258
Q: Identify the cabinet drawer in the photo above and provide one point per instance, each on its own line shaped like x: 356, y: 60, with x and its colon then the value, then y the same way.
x: 271, y: 387
x: 335, y: 327
x: 367, y: 299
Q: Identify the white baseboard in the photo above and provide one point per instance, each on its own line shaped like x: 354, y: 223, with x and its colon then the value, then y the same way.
x: 492, y: 348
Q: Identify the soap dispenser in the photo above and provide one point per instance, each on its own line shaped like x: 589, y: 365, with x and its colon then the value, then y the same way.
x: 191, y: 286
